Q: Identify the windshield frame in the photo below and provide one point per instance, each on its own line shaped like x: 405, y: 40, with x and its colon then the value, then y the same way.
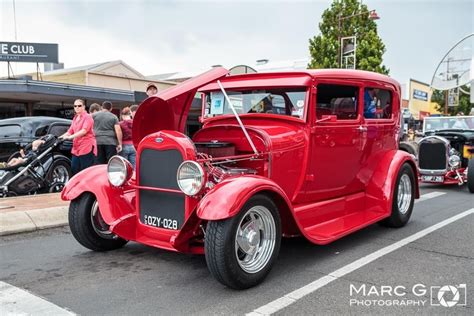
x: 447, y: 123
x: 303, y: 89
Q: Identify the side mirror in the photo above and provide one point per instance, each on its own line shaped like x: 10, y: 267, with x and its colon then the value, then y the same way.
x: 327, y: 118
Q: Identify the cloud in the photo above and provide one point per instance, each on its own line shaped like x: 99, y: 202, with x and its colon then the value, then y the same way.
x: 156, y: 37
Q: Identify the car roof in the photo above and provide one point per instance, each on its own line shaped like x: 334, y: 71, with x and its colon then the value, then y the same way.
x: 33, y: 120
x: 300, y: 78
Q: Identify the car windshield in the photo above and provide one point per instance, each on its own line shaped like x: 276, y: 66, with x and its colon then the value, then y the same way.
x: 449, y: 122
x: 289, y: 101
x: 10, y: 131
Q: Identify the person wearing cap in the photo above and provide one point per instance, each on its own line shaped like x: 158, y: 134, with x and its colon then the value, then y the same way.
x: 151, y: 89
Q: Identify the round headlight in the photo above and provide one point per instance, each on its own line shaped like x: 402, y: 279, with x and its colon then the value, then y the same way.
x: 454, y: 161
x: 190, y: 177
x: 119, y: 170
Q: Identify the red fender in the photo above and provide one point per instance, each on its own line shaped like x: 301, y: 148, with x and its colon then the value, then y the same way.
x: 381, y: 186
x: 227, y: 198
x: 114, y: 203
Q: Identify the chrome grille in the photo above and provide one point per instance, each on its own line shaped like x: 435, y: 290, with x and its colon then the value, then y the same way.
x: 432, y: 155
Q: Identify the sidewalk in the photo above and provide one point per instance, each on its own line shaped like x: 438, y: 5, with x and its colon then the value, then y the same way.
x: 30, y: 213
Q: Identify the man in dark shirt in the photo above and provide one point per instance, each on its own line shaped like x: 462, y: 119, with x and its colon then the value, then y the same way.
x: 107, y: 133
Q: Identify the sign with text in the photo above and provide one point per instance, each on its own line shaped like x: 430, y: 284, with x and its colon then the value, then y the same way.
x: 420, y: 95
x: 28, y: 52
x: 453, y: 97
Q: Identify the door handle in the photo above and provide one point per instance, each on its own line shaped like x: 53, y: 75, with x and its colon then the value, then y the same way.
x: 362, y: 129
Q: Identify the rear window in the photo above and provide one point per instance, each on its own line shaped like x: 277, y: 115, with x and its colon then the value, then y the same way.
x: 10, y: 131
x: 58, y: 130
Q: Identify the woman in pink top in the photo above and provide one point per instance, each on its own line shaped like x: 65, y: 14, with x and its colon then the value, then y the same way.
x: 128, y: 151
x: 81, y: 132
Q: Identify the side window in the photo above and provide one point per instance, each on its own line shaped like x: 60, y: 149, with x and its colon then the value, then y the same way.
x: 58, y: 130
x: 337, y: 100
x: 41, y: 131
x: 377, y: 103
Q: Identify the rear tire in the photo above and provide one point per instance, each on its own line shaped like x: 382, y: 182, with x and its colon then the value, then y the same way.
x: 403, y: 198
x: 470, y: 175
x: 91, y: 231
x: 241, y: 250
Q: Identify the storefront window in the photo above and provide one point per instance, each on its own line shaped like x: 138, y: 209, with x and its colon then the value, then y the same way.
x: 11, y: 109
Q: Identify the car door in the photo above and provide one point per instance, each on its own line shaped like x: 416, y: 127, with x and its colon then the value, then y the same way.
x: 337, y: 142
x: 380, y: 124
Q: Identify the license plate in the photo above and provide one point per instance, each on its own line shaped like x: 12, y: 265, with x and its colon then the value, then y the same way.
x: 160, y: 222
x: 432, y: 178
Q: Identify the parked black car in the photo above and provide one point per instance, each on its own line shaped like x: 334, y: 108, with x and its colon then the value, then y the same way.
x: 20, y: 131
x: 446, y: 153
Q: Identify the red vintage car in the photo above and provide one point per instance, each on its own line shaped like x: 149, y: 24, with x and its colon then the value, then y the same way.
x: 279, y: 154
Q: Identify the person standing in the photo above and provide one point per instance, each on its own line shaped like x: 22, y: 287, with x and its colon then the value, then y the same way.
x: 133, y: 109
x: 128, y: 151
x: 151, y: 89
x: 370, y: 103
x: 107, y: 132
x: 94, y: 108
x: 81, y: 132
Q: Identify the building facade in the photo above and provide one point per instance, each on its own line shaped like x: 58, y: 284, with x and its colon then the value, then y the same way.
x: 419, y: 97
x: 52, y: 93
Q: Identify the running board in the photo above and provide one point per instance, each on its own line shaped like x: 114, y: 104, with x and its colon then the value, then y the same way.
x: 325, y: 221
x: 329, y: 231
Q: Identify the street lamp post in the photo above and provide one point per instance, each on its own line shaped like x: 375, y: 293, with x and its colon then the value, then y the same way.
x: 372, y: 16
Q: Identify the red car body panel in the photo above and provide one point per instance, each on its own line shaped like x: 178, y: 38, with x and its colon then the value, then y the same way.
x: 327, y: 178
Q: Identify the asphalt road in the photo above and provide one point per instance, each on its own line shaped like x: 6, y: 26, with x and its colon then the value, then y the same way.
x: 139, y: 280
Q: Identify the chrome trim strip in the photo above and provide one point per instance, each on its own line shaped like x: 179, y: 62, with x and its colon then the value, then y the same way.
x: 433, y: 172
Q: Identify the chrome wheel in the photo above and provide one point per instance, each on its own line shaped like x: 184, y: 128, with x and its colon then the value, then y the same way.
x: 98, y: 223
x: 255, y: 239
x: 60, y: 174
x: 404, y: 194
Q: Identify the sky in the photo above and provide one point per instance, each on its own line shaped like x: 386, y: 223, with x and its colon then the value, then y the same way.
x: 156, y: 37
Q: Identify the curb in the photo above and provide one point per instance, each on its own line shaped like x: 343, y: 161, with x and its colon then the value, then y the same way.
x: 28, y: 221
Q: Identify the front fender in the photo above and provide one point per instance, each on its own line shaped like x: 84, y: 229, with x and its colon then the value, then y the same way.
x: 382, y: 184
x: 227, y: 198
x: 114, y: 203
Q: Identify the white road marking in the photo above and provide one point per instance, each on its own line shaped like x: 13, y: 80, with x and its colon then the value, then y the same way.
x: 294, y: 296
x: 15, y: 301
x: 428, y: 196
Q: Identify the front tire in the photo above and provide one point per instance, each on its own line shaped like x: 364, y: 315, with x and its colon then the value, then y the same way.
x: 88, y: 227
x: 470, y: 175
x: 403, y: 198
x: 240, y: 251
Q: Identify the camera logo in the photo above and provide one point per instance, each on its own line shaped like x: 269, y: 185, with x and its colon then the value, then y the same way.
x: 448, y: 295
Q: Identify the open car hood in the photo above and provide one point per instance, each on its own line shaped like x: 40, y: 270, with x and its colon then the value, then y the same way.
x: 169, y: 109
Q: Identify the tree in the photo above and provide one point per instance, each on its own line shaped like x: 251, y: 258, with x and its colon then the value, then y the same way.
x: 347, y: 18
x: 464, y: 105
